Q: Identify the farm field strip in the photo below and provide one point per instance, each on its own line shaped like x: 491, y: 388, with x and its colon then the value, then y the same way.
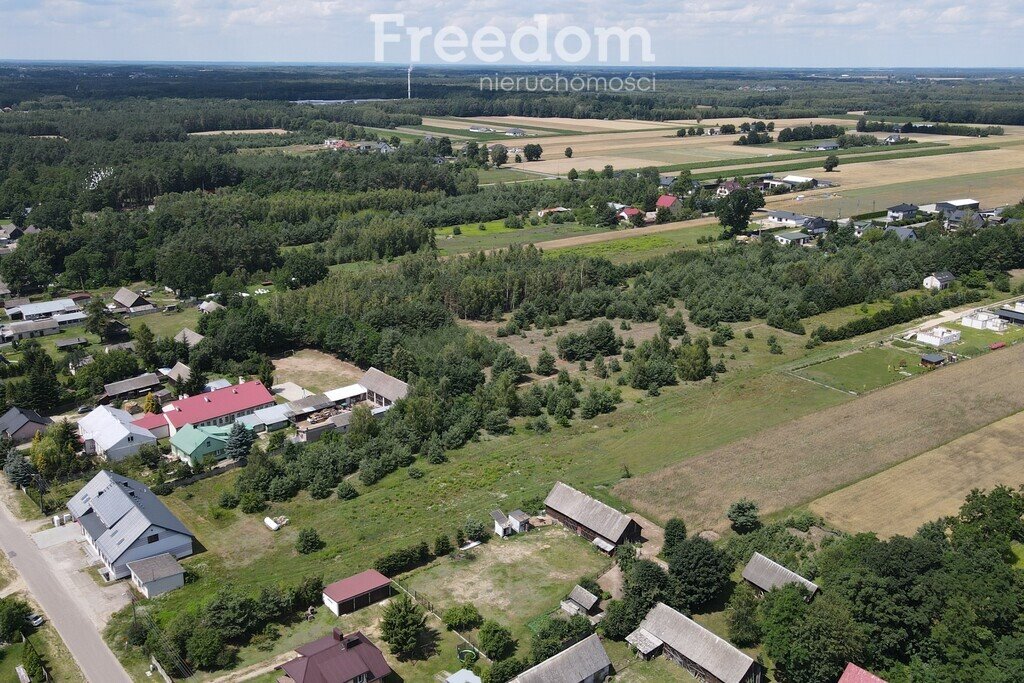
x: 931, y: 485
x: 801, y: 460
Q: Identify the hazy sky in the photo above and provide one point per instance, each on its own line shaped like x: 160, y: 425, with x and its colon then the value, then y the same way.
x: 882, y: 33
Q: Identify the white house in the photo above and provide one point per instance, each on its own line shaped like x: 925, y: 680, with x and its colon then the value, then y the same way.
x: 124, y: 521
x: 787, y: 238
x: 938, y: 280
x: 938, y: 336
x: 157, y: 575
x: 111, y: 434
x: 984, y: 320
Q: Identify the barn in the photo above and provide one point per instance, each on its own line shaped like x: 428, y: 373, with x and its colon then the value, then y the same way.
x: 356, y: 592
x: 601, y: 524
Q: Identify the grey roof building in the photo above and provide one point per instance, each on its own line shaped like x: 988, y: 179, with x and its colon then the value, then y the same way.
x: 156, y: 575
x: 693, y: 647
x: 584, y: 662
x: 766, y: 574
x: 602, y: 524
x: 21, y: 424
x: 382, y: 389
x: 188, y: 337
x: 124, y: 522
x: 133, y: 386
x: 580, y: 601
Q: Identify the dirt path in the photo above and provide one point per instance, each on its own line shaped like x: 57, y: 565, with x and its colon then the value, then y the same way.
x: 803, y: 459
x: 250, y: 672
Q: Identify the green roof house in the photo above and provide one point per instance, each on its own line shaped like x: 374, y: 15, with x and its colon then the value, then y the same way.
x: 197, y: 444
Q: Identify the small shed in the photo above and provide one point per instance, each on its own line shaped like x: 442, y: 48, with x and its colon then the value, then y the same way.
x: 502, y: 527
x: 156, y: 575
x: 519, y: 520
x: 356, y: 592
x: 932, y: 360
x: 73, y: 342
x: 463, y: 676
x: 580, y: 601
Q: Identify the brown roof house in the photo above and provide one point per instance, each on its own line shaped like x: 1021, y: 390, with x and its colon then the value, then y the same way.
x: 603, y: 525
x: 693, y: 647
x: 765, y: 574
x: 337, y: 658
x: 131, y: 303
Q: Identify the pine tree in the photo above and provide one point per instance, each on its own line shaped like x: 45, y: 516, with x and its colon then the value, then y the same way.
x: 401, y: 626
x: 240, y: 441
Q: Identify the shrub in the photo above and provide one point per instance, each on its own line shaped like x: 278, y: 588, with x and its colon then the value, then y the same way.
x: 401, y: 626
x: 462, y: 617
x: 743, y: 516
x: 346, y: 491
x: 252, y: 502
x: 309, y: 541
x: 496, y: 641
x: 228, y: 500
x: 403, y: 560
x: 443, y: 546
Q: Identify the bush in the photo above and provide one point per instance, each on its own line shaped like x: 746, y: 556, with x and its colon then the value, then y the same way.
x: 346, y: 491
x: 743, y: 516
x: 228, y: 500
x: 252, y: 502
x: 496, y: 641
x: 403, y: 560
x: 309, y: 541
x: 462, y: 617
x: 443, y: 546
x: 205, y: 648
x: 33, y: 663
x: 504, y: 670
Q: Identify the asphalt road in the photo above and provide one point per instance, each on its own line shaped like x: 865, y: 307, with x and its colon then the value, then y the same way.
x: 94, y: 658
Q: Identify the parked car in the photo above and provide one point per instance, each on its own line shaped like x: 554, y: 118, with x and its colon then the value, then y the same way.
x: 35, y: 619
x: 82, y: 410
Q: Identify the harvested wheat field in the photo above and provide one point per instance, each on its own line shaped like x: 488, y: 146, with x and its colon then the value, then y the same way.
x: 315, y: 371
x: 932, y: 485
x: 801, y: 460
x: 252, y: 131
x: 572, y: 125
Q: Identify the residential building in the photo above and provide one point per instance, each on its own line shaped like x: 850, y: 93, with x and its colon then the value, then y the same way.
x: 157, y: 575
x: 824, y: 146
x: 209, y: 307
x: 902, y: 212
x: 580, y: 601
x: 21, y: 424
x: 68, y: 319
x: 155, y: 424
x: 132, y: 387
x: 984, y: 320
x: 357, y: 591
x: 194, y: 445
x: 602, y: 525
x: 670, y: 202
x: 628, y: 213
x: 337, y: 658
x: 727, y: 188
x: 781, y: 219
x: 938, y: 336
x: 938, y: 280
x: 800, y: 180
x: 188, y: 337
x: 765, y: 574
x: 787, y: 238
x: 584, y: 662
x: 130, y: 303
x: 112, y: 434
x: 854, y: 674
x: 179, y: 374
x: 220, y: 407
x: 902, y: 232
x: 41, y: 309
x: 685, y: 642
x: 515, y: 133
x: 123, y: 521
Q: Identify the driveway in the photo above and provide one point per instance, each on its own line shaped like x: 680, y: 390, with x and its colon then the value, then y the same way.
x: 59, y: 595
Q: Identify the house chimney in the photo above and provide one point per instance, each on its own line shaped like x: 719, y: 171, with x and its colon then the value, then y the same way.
x: 337, y: 633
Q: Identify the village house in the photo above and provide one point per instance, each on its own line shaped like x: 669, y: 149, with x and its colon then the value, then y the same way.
x: 29, y: 329
x: 765, y: 574
x: 357, y: 591
x: 823, y: 146
x: 787, y: 238
x: 177, y: 375
x: 902, y: 212
x: 727, y: 188
x: 938, y: 336
x: 902, y: 232
x: 584, y: 662
x: 515, y: 133
x: 130, y: 303
x: 336, y: 658
x: 194, y: 445
x: 209, y: 307
x: 938, y: 280
x: 111, y: 434
x: 157, y: 575
x: 21, y: 424
x: 854, y: 674
x: 685, y: 642
x: 669, y: 202
x: 627, y: 214
x: 780, y: 219
x: 188, y: 337
x: 382, y: 389
x: 267, y: 419
x: 217, y: 408
x: 123, y: 521
x: 602, y: 525
x: 132, y: 387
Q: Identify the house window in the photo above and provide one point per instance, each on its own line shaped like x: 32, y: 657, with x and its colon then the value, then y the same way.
x: 152, y: 538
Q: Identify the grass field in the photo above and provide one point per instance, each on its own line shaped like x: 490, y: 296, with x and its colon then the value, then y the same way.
x: 503, y: 175
x: 799, y: 461
x: 931, y: 485
x: 315, y: 371
x: 51, y: 648
x: 865, y: 370
x: 497, y: 236
x: 513, y: 581
x: 643, y: 246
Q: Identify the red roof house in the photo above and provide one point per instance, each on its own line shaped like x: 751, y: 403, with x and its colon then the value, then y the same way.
x: 155, y: 423
x: 855, y: 674
x: 628, y: 213
x: 219, y: 407
x: 668, y: 201
x: 337, y: 658
x: 356, y: 591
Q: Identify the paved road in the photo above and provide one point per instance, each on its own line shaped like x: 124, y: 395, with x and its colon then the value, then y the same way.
x: 95, y: 659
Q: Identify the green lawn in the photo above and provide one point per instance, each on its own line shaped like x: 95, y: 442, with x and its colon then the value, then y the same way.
x: 498, y: 236
x: 504, y: 175
x: 644, y: 246
x: 56, y: 658
x: 1018, y: 551
x: 865, y: 370
x: 515, y: 581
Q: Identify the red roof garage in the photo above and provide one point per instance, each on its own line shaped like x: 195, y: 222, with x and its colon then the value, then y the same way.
x: 357, y: 591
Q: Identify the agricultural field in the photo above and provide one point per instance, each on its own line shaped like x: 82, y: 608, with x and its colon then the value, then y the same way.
x: 497, y: 236
x: 251, y: 131
x: 798, y: 461
x: 931, y: 485
x: 515, y: 581
x: 491, y: 176
x: 862, y: 371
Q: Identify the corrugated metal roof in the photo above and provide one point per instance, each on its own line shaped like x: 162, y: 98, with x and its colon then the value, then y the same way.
x: 588, y: 511
x: 767, y: 574
x: 156, y: 567
x: 696, y: 643
x: 146, y: 381
x: 572, y: 665
x: 855, y: 674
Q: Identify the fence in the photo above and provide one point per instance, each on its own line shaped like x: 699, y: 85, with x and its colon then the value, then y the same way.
x: 419, y: 599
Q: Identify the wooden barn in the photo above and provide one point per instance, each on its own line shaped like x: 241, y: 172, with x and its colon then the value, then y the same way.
x: 765, y: 574
x: 604, y: 526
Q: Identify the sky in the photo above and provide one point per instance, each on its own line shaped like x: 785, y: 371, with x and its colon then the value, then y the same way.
x: 775, y: 33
